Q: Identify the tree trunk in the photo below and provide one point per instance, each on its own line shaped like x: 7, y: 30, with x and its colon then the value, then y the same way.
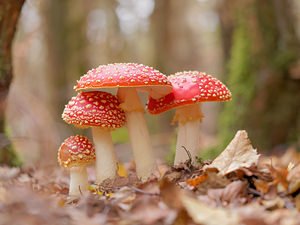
x: 9, y: 11
x: 65, y: 40
x: 265, y: 94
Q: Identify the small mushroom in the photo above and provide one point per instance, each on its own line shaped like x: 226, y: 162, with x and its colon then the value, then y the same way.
x: 189, y: 90
x: 101, y: 111
x: 130, y: 78
x: 75, y: 153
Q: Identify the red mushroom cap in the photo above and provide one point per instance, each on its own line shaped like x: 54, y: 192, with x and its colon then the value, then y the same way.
x: 75, y: 151
x: 189, y: 88
x: 123, y: 75
x: 96, y: 108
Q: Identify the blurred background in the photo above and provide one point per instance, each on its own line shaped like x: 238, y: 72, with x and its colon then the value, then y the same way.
x: 252, y: 46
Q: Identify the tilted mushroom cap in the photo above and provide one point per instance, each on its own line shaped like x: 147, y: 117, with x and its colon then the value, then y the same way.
x: 76, y: 151
x: 96, y: 108
x: 188, y: 88
x: 116, y: 75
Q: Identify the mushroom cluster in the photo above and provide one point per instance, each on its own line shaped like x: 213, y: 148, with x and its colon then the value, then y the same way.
x: 104, y: 112
x: 130, y: 78
x: 100, y: 111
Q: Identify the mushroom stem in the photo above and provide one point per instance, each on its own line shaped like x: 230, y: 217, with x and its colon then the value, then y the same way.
x: 141, y: 145
x: 188, y: 133
x: 138, y: 133
x: 106, y: 160
x: 78, y: 181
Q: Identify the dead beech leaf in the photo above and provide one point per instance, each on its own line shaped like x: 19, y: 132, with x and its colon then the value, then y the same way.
x: 196, y: 181
x: 233, y: 191
x: 122, y: 172
x: 272, y: 204
x: 261, y: 185
x: 280, y: 178
x: 293, y: 178
x: 297, y: 202
x: 238, y: 154
x: 213, y: 181
x: 170, y: 194
x: 203, y: 214
x: 7, y: 173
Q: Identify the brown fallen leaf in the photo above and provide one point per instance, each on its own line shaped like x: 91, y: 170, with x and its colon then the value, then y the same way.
x: 238, y: 154
x: 203, y: 214
x: 261, y: 185
x: 233, y: 191
x: 7, y: 173
x: 252, y: 214
x: 293, y: 178
x: 3, y: 193
x: 280, y: 178
x: 196, y: 181
x: 276, y: 203
x: 148, y: 210
x: 213, y: 181
x: 170, y: 194
x: 297, y: 202
x: 283, y: 216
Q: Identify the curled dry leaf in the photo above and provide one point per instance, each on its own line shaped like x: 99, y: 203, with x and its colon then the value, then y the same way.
x: 233, y: 191
x: 238, y: 154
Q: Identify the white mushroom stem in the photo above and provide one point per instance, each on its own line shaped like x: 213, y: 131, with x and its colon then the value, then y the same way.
x: 106, y: 160
x: 138, y: 133
x: 78, y: 181
x: 188, y: 133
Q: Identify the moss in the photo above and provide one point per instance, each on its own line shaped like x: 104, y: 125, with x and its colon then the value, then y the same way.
x: 211, y: 152
x: 171, y: 156
x: 9, y: 157
x: 241, y: 82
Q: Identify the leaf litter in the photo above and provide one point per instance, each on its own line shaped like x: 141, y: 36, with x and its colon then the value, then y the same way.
x: 238, y: 187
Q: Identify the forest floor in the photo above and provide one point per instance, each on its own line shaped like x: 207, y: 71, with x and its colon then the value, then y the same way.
x: 238, y: 187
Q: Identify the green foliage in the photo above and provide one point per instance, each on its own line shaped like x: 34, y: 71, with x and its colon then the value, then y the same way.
x: 171, y: 156
x: 210, y: 153
x: 9, y: 157
x: 120, y: 135
x: 283, y: 59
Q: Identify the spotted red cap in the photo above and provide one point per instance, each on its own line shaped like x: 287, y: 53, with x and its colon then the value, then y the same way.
x: 96, y: 108
x: 75, y: 151
x: 124, y: 75
x: 188, y: 88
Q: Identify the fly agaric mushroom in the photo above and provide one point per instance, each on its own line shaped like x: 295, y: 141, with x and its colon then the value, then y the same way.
x: 130, y: 78
x: 189, y: 90
x: 101, y: 111
x: 75, y: 153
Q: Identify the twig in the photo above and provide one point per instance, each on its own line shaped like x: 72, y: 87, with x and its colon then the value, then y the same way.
x: 139, y: 191
x: 187, y: 152
x: 80, y: 190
